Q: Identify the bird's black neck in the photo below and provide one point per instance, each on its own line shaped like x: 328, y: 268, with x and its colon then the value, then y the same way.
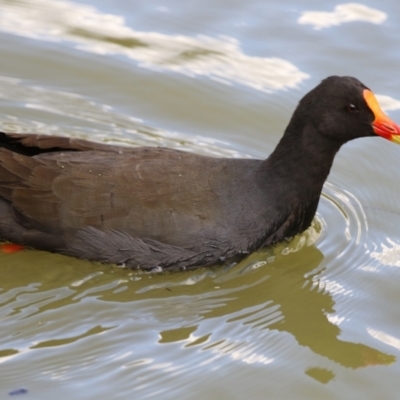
x: 292, y: 178
x: 301, y: 161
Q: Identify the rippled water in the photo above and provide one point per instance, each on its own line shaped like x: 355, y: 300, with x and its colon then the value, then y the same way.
x: 317, y: 317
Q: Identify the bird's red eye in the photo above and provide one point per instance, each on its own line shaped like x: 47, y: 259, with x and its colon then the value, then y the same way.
x: 352, y: 108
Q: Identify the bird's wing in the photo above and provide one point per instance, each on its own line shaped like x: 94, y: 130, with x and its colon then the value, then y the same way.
x: 149, y: 192
x: 32, y: 144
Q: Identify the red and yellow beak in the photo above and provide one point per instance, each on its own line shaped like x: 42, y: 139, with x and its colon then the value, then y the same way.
x: 382, y: 124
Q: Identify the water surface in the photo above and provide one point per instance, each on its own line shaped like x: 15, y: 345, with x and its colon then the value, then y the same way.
x: 316, y: 317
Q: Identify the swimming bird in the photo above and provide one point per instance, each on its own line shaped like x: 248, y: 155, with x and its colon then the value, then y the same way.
x: 162, y: 209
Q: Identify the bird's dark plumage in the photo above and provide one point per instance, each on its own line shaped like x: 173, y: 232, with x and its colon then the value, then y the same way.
x: 159, y: 208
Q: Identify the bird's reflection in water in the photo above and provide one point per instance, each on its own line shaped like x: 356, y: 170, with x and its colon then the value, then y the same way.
x: 285, y: 286
x: 236, y: 305
x: 305, y: 309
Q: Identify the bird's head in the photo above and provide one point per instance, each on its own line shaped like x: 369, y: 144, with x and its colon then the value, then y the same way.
x: 343, y: 108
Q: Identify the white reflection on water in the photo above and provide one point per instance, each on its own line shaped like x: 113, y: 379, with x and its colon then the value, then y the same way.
x: 238, y: 351
x: 388, y: 103
x: 331, y: 286
x: 91, y: 30
x: 342, y: 13
x: 389, y: 255
x: 335, y: 319
x: 384, y: 338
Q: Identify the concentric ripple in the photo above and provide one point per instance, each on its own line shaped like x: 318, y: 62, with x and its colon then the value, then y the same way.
x: 343, y: 219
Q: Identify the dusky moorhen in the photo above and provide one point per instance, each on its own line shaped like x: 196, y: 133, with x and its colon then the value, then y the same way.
x: 162, y: 209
